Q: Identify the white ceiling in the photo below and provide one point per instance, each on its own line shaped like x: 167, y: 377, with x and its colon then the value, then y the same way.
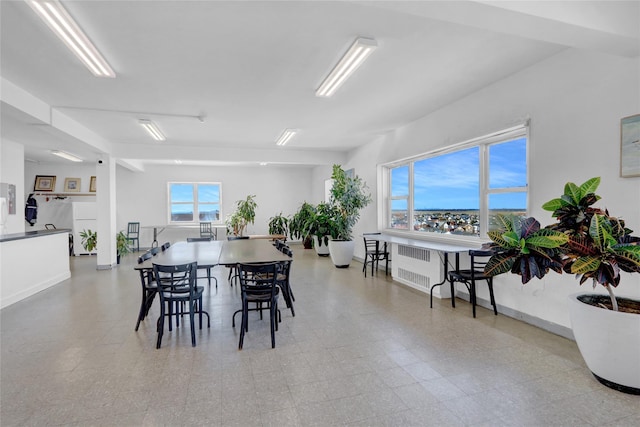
x: 251, y: 69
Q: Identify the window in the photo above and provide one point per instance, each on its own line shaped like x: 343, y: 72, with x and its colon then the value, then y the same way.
x: 460, y: 190
x: 194, y: 202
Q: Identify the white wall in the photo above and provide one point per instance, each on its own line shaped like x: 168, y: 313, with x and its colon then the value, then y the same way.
x: 12, y: 172
x: 142, y: 197
x: 575, y: 101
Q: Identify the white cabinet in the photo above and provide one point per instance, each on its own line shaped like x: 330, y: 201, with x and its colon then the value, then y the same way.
x: 85, y: 217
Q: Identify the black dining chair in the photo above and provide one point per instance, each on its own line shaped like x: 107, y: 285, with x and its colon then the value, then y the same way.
x: 375, y: 251
x: 165, y: 246
x: 149, y: 288
x: 478, y: 260
x: 178, y: 292
x: 258, y: 285
x: 207, y: 231
x: 133, y: 234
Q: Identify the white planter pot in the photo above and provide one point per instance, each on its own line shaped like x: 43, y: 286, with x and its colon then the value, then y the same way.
x: 609, y: 342
x: 320, y: 250
x: 341, y: 252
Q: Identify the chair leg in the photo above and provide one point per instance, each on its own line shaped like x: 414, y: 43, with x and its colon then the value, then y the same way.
x: 272, y: 317
x: 245, y: 307
x: 142, y: 313
x: 493, y: 299
x: 160, y: 326
x: 453, y: 293
x: 472, y: 293
x: 192, y: 322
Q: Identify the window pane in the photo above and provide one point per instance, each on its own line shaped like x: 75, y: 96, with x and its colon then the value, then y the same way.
x: 399, y: 214
x: 400, y: 181
x: 181, y: 193
x: 209, y: 212
x: 506, y: 204
x: 508, y: 164
x: 447, y: 193
x: 209, y: 193
x: 182, y: 212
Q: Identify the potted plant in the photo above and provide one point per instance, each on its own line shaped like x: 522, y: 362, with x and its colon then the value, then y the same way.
x: 298, y: 224
x: 321, y: 226
x: 89, y: 240
x: 244, y: 215
x: 279, y: 225
x: 122, y: 245
x: 591, y: 244
x: 348, y: 197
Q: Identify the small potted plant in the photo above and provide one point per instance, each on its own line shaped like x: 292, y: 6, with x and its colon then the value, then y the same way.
x: 89, y: 240
x: 321, y: 226
x: 279, y: 225
x: 299, y: 224
x: 244, y: 215
x: 348, y: 197
x: 590, y: 243
x: 122, y: 245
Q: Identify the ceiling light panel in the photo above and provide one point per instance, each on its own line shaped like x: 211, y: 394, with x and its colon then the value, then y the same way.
x: 286, y: 136
x: 152, y: 129
x: 355, y: 56
x: 67, y: 156
x: 65, y: 27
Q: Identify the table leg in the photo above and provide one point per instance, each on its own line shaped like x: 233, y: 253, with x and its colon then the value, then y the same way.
x: 154, y: 244
x: 444, y: 280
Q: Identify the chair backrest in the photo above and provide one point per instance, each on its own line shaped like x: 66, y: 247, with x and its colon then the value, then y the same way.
x: 237, y: 237
x: 133, y: 229
x: 205, y: 229
x: 175, y: 280
x: 154, y: 251
x: 479, y: 259
x: 165, y: 246
x: 50, y: 226
x: 371, y: 245
x: 258, y: 279
x: 145, y: 256
x: 199, y: 239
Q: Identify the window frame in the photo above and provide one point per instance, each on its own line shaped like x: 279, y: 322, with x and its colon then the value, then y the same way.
x: 196, y: 202
x: 483, y: 142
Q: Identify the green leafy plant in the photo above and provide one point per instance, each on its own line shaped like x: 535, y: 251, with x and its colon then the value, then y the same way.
x: 586, y: 241
x: 299, y: 223
x: 279, y: 224
x: 323, y: 223
x: 89, y: 239
x: 244, y: 215
x: 523, y: 248
x: 599, y: 245
x: 122, y: 244
x: 349, y: 197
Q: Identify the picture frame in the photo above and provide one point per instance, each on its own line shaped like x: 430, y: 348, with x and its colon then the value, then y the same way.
x: 45, y: 183
x: 72, y: 185
x: 630, y: 146
x: 92, y: 185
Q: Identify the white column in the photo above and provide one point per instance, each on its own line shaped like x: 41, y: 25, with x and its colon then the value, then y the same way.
x: 106, y: 204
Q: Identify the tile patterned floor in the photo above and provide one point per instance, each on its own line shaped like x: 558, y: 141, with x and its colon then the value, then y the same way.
x: 360, y: 352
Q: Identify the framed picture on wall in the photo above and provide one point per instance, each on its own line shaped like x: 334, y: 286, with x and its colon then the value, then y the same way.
x: 71, y: 185
x: 92, y: 184
x: 45, y: 183
x: 630, y: 146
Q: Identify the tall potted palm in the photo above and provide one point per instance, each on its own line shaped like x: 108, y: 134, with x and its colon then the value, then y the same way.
x: 590, y: 243
x: 321, y: 226
x: 244, y: 214
x: 348, y: 197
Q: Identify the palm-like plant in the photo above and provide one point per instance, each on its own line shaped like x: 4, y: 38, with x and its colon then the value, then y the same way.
x: 244, y: 215
x: 348, y: 196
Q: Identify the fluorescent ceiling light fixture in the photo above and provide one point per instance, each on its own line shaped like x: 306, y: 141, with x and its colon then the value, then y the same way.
x: 286, y: 136
x: 178, y: 162
x: 263, y: 163
x: 153, y: 130
x: 355, y: 56
x: 63, y: 25
x: 66, y: 156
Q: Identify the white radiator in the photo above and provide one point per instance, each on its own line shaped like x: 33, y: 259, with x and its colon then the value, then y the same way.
x: 419, y: 268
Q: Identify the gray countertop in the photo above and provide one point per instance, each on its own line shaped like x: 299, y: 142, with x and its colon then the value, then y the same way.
x: 31, y: 234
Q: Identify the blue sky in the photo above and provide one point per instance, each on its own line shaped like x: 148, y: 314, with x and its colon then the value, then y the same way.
x: 451, y: 181
x: 184, y: 193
